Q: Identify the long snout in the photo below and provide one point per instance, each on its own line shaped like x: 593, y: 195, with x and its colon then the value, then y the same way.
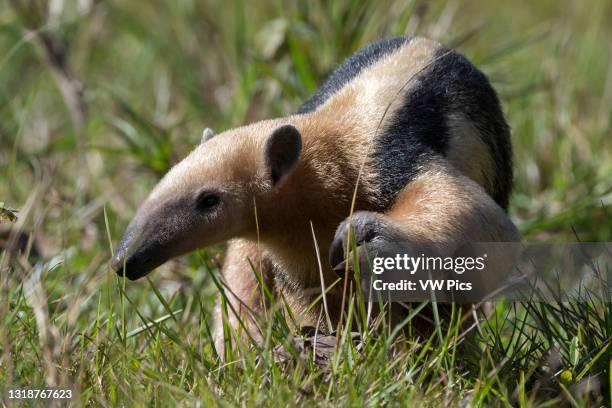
x: 157, y: 234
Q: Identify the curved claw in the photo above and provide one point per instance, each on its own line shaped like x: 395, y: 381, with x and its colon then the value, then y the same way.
x: 362, y: 228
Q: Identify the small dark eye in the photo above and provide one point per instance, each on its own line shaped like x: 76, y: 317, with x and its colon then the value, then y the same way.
x: 206, y: 201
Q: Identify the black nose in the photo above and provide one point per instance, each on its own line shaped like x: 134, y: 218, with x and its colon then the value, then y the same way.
x: 134, y: 266
x: 134, y: 262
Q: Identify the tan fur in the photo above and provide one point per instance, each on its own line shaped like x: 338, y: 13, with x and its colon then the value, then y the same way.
x: 445, y: 203
x: 386, y: 81
x: 441, y: 205
x: 242, y: 289
x: 441, y: 193
x: 468, y: 153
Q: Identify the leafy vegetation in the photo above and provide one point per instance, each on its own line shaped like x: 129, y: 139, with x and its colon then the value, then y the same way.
x: 99, y: 98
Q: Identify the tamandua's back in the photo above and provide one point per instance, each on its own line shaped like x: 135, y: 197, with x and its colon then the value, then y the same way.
x: 415, y: 99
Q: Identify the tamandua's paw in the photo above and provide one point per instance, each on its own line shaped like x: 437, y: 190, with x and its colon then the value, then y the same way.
x: 373, y: 235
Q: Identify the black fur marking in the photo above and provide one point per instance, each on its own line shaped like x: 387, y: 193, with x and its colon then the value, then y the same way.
x: 282, y: 151
x: 419, y: 129
x: 352, y: 67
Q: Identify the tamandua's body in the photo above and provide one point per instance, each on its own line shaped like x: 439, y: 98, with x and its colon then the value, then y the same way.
x: 414, y: 125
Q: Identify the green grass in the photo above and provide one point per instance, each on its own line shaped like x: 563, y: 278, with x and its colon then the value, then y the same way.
x: 154, y: 74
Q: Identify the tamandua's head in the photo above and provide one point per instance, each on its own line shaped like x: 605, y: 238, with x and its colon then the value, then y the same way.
x: 208, y: 197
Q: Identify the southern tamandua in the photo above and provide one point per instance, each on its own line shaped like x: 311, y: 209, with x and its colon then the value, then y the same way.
x: 415, y: 122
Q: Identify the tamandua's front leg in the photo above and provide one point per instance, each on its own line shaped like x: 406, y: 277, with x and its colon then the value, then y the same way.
x: 440, y: 206
x: 243, y: 291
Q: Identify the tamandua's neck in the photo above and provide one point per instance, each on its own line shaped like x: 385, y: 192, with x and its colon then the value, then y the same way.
x: 316, y: 195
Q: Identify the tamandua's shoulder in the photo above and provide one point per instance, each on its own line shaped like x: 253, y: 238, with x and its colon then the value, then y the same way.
x: 417, y: 98
x: 378, y: 61
x: 351, y: 68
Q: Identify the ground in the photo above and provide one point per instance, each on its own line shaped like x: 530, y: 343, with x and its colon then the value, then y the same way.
x: 100, y: 100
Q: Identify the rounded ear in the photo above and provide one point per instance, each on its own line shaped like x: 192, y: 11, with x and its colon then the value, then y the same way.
x: 207, y: 134
x: 282, y: 151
